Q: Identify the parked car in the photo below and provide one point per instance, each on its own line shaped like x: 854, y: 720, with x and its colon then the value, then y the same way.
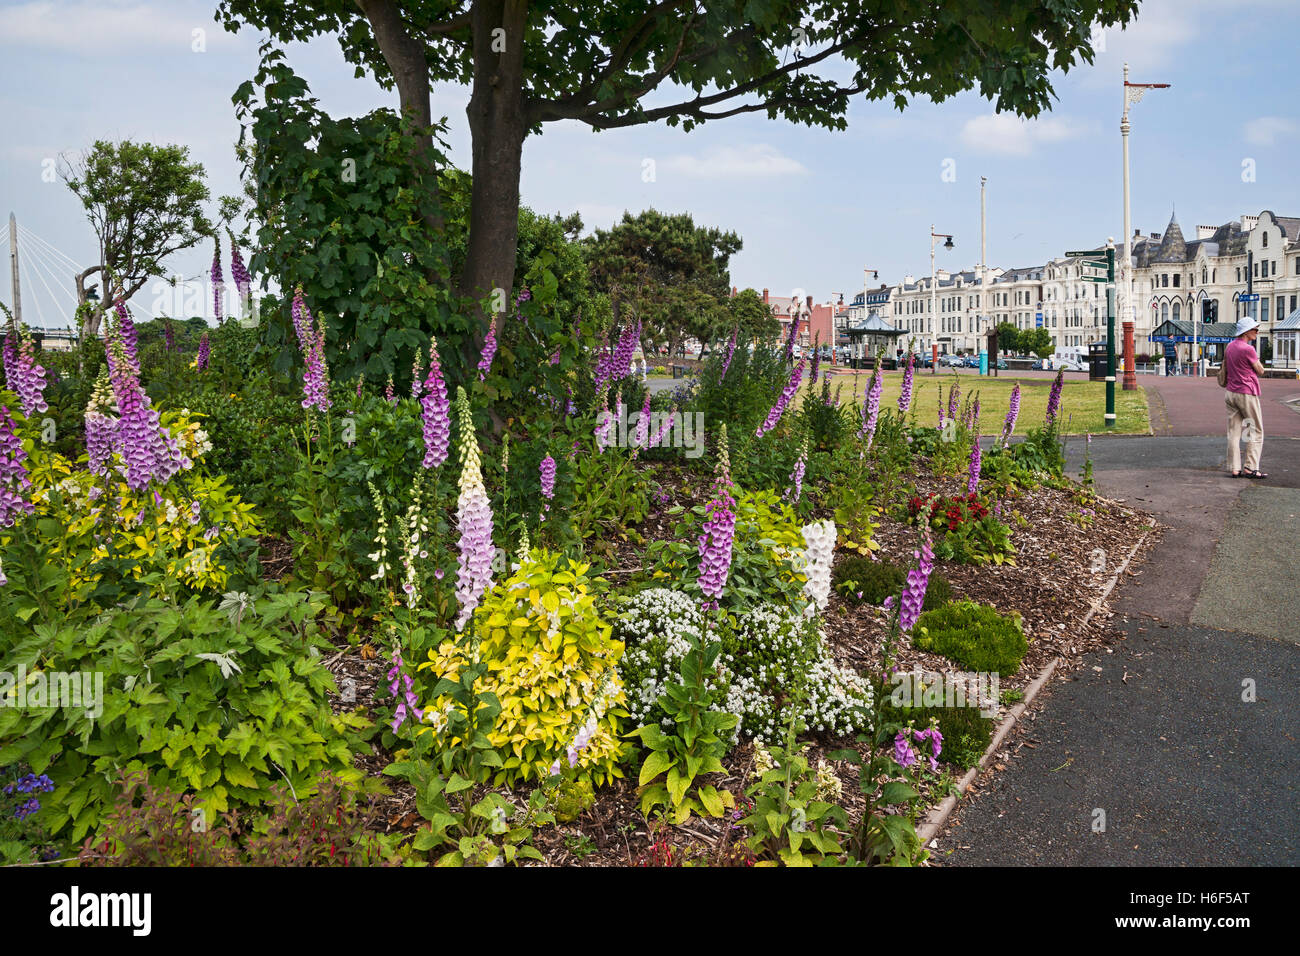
x: 951, y: 361
x: 1002, y: 365
x: 1037, y: 366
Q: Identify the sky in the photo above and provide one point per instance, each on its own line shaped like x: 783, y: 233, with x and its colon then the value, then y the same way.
x: 813, y: 207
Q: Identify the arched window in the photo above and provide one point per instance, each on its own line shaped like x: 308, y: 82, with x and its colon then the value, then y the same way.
x: 1177, y: 311
x: 1164, y: 311
x: 1204, y: 272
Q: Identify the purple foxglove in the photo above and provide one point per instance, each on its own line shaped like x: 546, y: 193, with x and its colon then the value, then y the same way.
x: 731, y: 350
x: 218, y: 282
x: 473, y: 520
x: 169, y: 336
x: 719, y: 528
x: 790, y: 338
x: 149, y: 453
x: 489, y: 350
x: 436, y: 413
x: 13, y: 472
x: 239, y: 272
x: 1054, y: 399
x: 973, y: 478
x: 905, y: 395
x: 787, y: 393
x: 913, y: 596
x: 547, y: 472
x: 1013, y: 412
x: 873, y: 404
x: 24, y: 375
x: 130, y: 339
x: 205, y: 351
x: 954, y: 396
x: 315, y: 378
x: 816, y: 360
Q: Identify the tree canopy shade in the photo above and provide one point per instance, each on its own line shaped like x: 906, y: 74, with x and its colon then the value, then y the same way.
x: 144, y: 202
x: 598, y: 63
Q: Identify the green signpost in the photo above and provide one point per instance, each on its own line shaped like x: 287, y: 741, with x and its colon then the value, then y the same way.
x: 1109, y: 264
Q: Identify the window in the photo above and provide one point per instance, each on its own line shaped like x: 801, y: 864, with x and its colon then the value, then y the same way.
x: 1204, y: 273
x: 1264, y: 234
x: 1164, y: 312
x: 1263, y: 310
x: 1177, y: 312
x: 1238, y: 273
x: 1281, y: 307
x: 1176, y: 278
x: 1254, y: 270
x: 1292, y: 309
x: 1164, y: 280
x: 1273, y: 270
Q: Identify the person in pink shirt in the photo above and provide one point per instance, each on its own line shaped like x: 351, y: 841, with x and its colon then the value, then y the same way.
x: 1245, y: 423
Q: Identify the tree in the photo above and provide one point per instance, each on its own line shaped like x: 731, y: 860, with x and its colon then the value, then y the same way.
x: 1038, y: 341
x: 753, y: 317
x: 667, y: 272
x: 1008, y: 338
x: 598, y: 63
x: 144, y: 202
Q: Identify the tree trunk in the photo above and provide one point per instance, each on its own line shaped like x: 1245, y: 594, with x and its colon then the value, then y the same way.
x: 497, y: 127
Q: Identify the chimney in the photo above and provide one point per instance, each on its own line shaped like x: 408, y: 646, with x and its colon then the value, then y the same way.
x: 809, y: 303
x: 733, y: 291
x: 765, y: 297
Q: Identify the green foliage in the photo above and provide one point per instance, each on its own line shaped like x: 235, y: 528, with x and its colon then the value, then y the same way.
x: 974, y: 635
x: 154, y: 826
x: 861, y: 580
x: 224, y: 701
x: 609, y: 495
x: 445, y: 772
x: 340, y: 216
x: 695, y: 746
x: 789, y: 823
x: 966, y: 731
x: 983, y: 540
x: 1041, y: 451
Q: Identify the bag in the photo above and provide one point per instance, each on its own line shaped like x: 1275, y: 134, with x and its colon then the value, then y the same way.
x: 1223, y: 373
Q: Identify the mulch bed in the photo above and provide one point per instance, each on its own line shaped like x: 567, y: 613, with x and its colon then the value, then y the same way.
x: 1053, y: 586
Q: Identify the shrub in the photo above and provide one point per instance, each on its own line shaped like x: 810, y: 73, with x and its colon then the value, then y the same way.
x: 974, y: 635
x: 877, y: 580
x: 552, y: 663
x: 966, y: 732
x: 223, y: 701
x: 862, y: 580
x: 153, y: 826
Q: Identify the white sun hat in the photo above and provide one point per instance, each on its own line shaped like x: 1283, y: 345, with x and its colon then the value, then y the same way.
x: 1244, y: 326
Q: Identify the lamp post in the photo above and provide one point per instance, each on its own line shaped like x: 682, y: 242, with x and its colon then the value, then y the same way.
x: 1132, y: 93
x: 933, y: 291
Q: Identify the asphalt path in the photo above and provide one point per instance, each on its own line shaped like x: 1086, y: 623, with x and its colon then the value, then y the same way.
x: 1180, y: 745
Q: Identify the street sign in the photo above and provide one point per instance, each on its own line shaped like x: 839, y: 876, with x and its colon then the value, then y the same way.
x: 1093, y: 279
x: 1249, y: 297
x: 1038, y: 320
x: 1086, y: 252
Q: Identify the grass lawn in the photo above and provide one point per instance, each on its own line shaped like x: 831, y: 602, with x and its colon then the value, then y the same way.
x: 1083, y: 403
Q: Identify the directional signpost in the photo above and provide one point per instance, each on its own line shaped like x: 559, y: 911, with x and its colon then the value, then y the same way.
x: 1109, y: 264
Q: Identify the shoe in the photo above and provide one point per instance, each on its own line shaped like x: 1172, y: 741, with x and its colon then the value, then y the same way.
x: 1257, y: 475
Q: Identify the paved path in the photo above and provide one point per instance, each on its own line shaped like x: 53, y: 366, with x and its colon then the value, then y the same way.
x: 1156, y: 732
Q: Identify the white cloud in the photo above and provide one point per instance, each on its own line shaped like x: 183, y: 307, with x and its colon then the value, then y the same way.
x: 730, y: 162
x: 1008, y: 134
x: 121, y: 27
x: 1266, y: 130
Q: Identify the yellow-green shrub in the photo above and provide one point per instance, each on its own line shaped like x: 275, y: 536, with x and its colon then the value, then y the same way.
x: 154, y: 536
x: 552, y: 663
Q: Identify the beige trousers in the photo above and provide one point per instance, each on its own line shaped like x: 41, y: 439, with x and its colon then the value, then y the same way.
x: 1245, y: 424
